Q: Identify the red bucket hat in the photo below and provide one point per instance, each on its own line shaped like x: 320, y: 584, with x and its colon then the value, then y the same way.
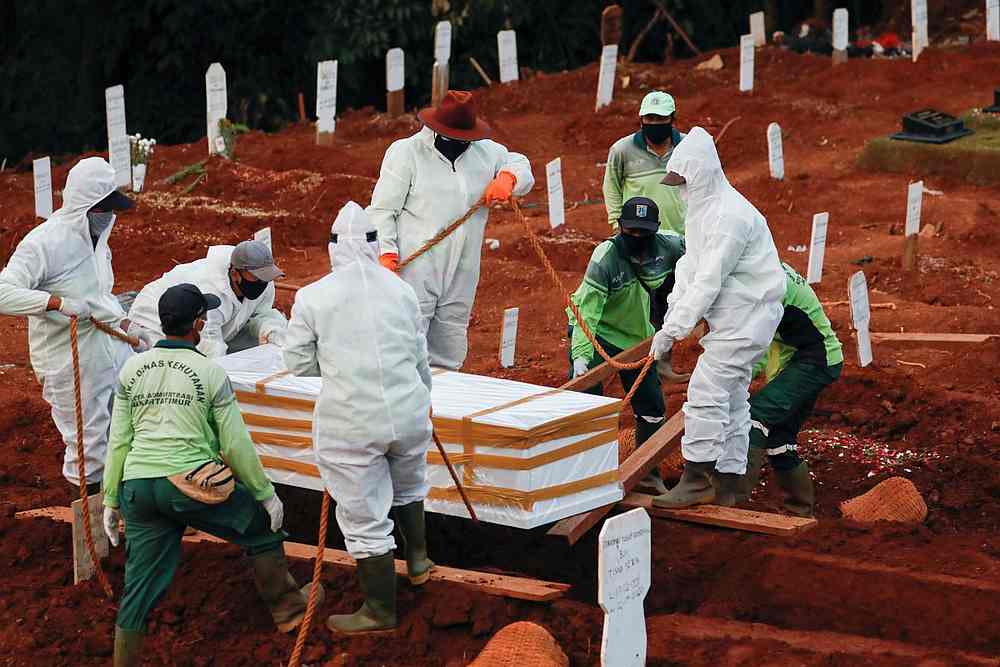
x: 455, y: 117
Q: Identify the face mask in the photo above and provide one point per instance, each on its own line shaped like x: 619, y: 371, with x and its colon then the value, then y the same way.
x: 657, y: 134
x: 252, y: 289
x: 450, y: 148
x: 638, y: 247
x: 99, y: 221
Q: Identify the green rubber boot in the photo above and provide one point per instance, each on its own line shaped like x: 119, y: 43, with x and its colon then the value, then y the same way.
x: 277, y: 588
x: 727, y: 489
x: 797, y: 486
x: 410, y: 519
x: 377, y: 615
x: 695, y: 487
x: 750, y: 479
x: 128, y: 644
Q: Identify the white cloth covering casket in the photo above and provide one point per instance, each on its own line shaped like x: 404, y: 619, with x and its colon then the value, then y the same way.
x: 528, y: 455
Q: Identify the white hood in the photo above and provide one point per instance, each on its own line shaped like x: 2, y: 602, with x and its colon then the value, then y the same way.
x: 355, y: 236
x: 697, y: 161
x: 89, y: 181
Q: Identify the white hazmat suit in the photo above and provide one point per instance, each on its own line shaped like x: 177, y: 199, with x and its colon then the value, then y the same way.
x: 731, y: 277
x: 418, y: 194
x: 357, y: 328
x: 244, y: 322
x: 59, y: 258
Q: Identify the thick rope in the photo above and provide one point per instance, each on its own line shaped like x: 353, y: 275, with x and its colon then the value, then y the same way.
x: 88, y: 536
x: 300, y: 641
x: 441, y: 235
x: 114, y: 332
x: 454, y: 477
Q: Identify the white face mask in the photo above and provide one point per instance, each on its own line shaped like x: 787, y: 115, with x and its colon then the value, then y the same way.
x: 99, y: 221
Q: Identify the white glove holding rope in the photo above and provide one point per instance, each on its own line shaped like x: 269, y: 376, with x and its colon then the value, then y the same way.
x: 274, y: 337
x: 276, y: 511
x: 111, y: 519
x: 74, y: 308
x: 661, y: 345
x: 580, y: 366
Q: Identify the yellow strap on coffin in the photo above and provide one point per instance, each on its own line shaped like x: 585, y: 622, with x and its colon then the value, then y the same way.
x: 495, y: 495
x: 510, y: 463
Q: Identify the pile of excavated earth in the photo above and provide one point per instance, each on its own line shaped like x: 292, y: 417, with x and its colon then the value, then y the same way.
x: 843, y: 593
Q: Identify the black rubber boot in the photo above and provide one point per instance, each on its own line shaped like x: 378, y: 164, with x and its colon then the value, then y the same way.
x: 128, y: 645
x: 728, y: 488
x: 695, y: 487
x: 797, y: 486
x: 750, y: 479
x: 277, y: 588
x: 410, y: 519
x: 377, y: 576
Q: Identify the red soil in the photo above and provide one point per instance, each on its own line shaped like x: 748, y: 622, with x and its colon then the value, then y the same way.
x: 945, y: 413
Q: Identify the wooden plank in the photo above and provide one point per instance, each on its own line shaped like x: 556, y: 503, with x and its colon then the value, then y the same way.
x: 634, y: 468
x: 611, y: 25
x: 601, y: 373
x: 910, y: 252
x: 501, y: 585
x: 726, y: 517
x: 878, y: 337
x: 395, y: 102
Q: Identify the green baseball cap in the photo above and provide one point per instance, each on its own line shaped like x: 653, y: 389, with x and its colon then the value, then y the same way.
x: 658, y: 103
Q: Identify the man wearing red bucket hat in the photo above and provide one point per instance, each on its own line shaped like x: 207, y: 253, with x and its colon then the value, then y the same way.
x: 427, y: 182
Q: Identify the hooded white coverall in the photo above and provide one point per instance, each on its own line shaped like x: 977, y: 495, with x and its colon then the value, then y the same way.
x: 358, y: 329
x: 731, y: 277
x: 58, y: 258
x: 247, y: 319
x: 418, y: 194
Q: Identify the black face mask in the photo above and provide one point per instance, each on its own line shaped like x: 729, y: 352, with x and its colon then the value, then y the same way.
x: 252, y: 289
x: 657, y: 134
x: 638, y: 247
x: 450, y: 148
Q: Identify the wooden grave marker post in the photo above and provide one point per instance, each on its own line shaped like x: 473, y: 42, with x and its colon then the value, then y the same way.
x: 840, y: 18
x: 914, y: 203
x: 921, y: 36
x: 775, y: 152
x: 83, y: 566
x: 817, y: 247
x: 554, y: 185
x: 395, y: 82
x: 442, y: 55
x: 119, y: 149
x: 217, y: 104
x: 606, y: 76
x: 993, y: 20
x: 508, y: 337
x: 746, y: 63
x: 326, y: 102
x: 624, y: 575
x: 41, y: 171
x: 611, y: 25
x: 861, y: 315
x: 507, y: 55
x: 757, y: 29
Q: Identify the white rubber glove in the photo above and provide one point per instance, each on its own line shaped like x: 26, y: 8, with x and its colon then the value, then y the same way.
x: 661, y: 345
x: 74, y: 308
x: 142, y: 346
x: 580, y: 366
x: 276, y: 511
x: 111, y: 519
x: 274, y: 337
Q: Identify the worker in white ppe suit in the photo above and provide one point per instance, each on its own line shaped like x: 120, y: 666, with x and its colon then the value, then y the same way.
x: 731, y: 277
x: 62, y: 268
x: 243, y: 279
x: 358, y: 329
x: 427, y: 182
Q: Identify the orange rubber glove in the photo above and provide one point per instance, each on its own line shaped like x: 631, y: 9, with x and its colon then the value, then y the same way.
x: 390, y: 260
x: 500, y: 188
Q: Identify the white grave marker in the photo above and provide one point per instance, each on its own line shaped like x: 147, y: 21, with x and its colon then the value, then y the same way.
x: 914, y: 200
x: 507, y: 54
x: 993, y: 20
x: 623, y: 570
x: 553, y: 179
x: 508, y: 337
x: 394, y: 69
x: 921, y: 38
x: 217, y: 103
x: 775, y: 152
x: 442, y: 42
x: 746, y: 63
x: 861, y: 314
x: 606, y: 75
x: 817, y: 247
x: 264, y: 236
x: 326, y: 96
x: 41, y: 170
x: 757, y: 29
x: 119, y: 151
x: 840, y: 29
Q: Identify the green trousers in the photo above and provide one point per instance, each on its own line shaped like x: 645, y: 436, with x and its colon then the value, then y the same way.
x: 155, y: 515
x: 647, y: 403
x: 778, y: 411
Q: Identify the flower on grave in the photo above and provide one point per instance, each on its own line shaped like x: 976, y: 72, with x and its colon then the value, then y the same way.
x: 142, y: 148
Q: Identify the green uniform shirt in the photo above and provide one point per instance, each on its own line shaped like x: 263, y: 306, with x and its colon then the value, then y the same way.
x: 633, y: 170
x: 612, y: 301
x: 175, y: 410
x: 804, y: 332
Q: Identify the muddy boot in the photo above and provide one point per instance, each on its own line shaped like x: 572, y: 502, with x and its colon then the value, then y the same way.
x: 277, y: 588
x: 695, y: 487
x: 377, y: 576
x: 797, y: 486
x: 128, y: 644
x: 410, y: 519
x: 652, y: 483
x: 750, y: 479
x: 727, y: 489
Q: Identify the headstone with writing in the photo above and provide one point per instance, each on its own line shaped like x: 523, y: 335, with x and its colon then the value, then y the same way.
x: 442, y: 42
x: 326, y: 101
x: 508, y: 337
x: 775, y: 152
x: 861, y: 315
x: 217, y: 103
x: 624, y: 575
x: 840, y: 28
x: 746, y: 63
x: 41, y: 170
x: 817, y: 247
x: 395, y: 82
x: 507, y: 53
x: 921, y: 37
x: 553, y: 179
x: 606, y: 75
x: 914, y: 203
x: 993, y: 20
x: 757, y: 29
x: 119, y: 150
x: 264, y: 236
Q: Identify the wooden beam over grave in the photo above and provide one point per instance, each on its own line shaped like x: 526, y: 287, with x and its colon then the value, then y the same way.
x: 878, y: 337
x: 725, y: 517
x: 603, y: 372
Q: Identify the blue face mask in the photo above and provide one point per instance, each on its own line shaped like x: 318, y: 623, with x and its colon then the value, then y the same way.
x: 99, y: 221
